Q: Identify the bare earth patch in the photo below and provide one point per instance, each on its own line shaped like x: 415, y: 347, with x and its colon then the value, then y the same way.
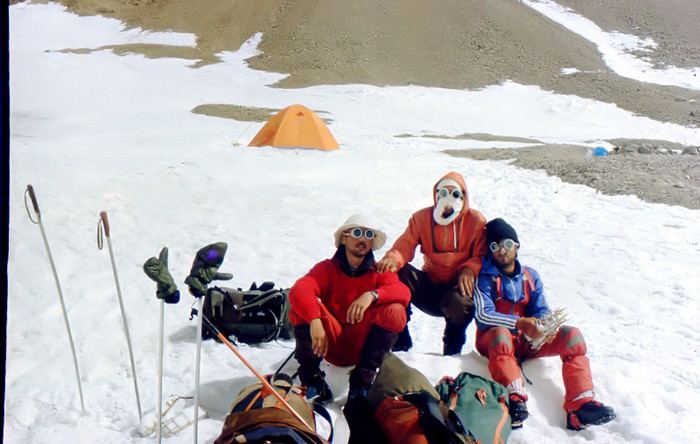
x: 235, y: 112
x: 658, y: 177
x: 460, y: 44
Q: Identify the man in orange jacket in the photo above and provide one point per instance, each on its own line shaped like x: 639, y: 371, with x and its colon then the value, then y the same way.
x: 345, y: 312
x: 452, y: 240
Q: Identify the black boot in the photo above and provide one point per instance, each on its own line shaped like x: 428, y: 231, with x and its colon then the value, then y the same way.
x: 453, y: 339
x: 378, y: 343
x: 403, y: 341
x: 310, y: 374
x: 317, y: 389
x: 590, y: 413
x: 517, y: 408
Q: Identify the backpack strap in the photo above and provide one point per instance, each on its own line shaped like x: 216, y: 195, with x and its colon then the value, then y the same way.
x: 528, y: 284
x: 531, y: 283
x: 261, y: 299
x: 254, y: 398
x: 258, y: 300
x: 431, y: 419
x: 323, y: 413
x: 504, y: 417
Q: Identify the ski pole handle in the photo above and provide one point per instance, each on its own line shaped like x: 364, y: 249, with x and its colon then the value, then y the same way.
x: 105, y: 222
x: 35, y: 204
x: 32, y: 197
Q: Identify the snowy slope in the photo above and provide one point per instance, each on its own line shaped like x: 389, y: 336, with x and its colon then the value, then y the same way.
x: 96, y: 131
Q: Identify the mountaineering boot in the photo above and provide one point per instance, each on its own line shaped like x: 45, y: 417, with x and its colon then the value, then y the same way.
x: 318, y: 390
x: 205, y: 268
x: 378, y: 343
x: 358, y: 389
x: 517, y: 408
x: 453, y: 339
x: 403, y: 341
x: 157, y: 270
x: 590, y: 413
x: 309, y: 372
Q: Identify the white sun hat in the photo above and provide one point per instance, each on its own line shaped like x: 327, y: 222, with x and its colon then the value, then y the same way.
x: 360, y: 221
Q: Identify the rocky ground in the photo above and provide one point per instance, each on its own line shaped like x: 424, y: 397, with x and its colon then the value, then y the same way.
x: 461, y: 44
x: 647, y: 169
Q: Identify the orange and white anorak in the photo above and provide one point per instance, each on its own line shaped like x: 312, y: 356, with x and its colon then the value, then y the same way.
x: 446, y: 249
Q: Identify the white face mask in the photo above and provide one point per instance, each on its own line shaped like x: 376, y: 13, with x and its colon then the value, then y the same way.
x: 448, y: 206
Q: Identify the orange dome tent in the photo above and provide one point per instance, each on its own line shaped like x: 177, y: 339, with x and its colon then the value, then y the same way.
x: 295, y: 126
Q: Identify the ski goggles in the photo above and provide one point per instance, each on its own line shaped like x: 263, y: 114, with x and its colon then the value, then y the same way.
x: 357, y: 233
x: 444, y: 192
x: 507, y: 244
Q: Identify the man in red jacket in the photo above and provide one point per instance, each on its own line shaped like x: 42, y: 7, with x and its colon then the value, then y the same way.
x: 343, y: 310
x: 452, y: 240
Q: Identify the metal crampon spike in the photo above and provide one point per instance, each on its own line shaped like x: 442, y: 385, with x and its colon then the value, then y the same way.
x: 549, y: 325
x: 176, y: 422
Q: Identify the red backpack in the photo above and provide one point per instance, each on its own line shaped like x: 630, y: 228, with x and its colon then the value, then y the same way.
x: 407, y: 407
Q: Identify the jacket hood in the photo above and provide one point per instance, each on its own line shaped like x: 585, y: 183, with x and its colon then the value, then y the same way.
x: 460, y: 180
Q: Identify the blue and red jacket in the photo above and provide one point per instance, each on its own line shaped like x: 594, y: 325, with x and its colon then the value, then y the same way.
x: 500, y: 300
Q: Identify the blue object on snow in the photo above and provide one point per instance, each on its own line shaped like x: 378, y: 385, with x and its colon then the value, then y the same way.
x: 600, y: 151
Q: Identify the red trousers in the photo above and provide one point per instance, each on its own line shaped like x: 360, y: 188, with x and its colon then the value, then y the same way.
x: 346, y: 340
x: 505, y: 350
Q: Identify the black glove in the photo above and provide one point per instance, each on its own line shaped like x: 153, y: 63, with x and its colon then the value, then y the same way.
x: 157, y: 270
x: 205, y: 268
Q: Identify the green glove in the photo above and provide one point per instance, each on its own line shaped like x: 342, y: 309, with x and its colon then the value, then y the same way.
x: 157, y: 270
x: 205, y: 268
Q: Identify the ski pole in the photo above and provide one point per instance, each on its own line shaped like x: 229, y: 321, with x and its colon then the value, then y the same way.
x: 264, y: 382
x: 166, y: 291
x: 104, y: 223
x: 35, y: 205
x: 204, y: 270
x: 197, y: 366
x: 160, y: 370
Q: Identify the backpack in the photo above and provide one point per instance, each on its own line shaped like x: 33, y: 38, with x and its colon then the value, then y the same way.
x: 257, y: 416
x: 479, y: 404
x: 251, y: 317
x: 406, y: 407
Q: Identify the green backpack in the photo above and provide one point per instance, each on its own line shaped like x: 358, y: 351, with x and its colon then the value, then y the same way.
x: 252, y: 316
x: 480, y: 404
x: 396, y: 378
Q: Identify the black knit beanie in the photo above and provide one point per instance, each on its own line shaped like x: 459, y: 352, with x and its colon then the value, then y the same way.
x: 498, y: 229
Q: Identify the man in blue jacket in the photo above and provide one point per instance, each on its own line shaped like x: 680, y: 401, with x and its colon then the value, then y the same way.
x: 509, y: 300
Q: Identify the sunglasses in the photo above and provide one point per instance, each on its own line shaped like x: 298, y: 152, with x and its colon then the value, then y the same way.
x: 444, y: 192
x: 357, y: 233
x: 508, y: 244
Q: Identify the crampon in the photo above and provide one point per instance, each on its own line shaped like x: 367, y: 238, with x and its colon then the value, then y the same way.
x: 549, y: 325
x: 176, y: 417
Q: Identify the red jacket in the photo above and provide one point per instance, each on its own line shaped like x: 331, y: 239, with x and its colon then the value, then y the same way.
x: 332, y: 284
x: 446, y: 249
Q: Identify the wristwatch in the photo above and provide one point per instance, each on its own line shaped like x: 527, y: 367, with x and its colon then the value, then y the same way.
x: 375, y: 294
